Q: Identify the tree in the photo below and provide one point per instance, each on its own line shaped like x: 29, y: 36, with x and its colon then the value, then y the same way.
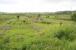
x: 73, y: 17
x: 18, y: 17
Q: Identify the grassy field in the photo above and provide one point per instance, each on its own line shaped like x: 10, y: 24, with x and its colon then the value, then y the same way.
x: 37, y: 32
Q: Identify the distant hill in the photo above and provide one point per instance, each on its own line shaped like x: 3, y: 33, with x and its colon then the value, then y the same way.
x: 41, y: 13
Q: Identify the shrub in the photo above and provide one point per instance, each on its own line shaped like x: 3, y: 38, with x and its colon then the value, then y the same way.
x: 65, y: 35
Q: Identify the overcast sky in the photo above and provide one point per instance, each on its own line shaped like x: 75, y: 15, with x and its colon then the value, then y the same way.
x: 36, y: 5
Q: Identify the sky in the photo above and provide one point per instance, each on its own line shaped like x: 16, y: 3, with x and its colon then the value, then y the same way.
x: 37, y: 5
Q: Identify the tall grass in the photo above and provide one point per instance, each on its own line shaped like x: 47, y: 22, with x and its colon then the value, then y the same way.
x: 24, y: 34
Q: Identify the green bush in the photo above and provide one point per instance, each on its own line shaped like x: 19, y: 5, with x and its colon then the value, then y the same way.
x: 65, y: 35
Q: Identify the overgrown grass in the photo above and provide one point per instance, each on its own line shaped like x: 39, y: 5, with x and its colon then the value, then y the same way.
x: 30, y: 35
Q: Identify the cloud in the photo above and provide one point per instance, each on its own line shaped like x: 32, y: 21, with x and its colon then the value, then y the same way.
x: 57, y: 1
x: 8, y: 1
x: 36, y: 5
